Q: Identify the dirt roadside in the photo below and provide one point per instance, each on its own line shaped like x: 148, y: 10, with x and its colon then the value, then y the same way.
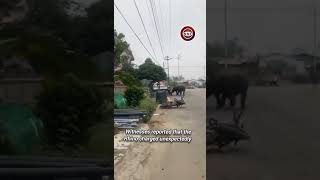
x: 158, y: 161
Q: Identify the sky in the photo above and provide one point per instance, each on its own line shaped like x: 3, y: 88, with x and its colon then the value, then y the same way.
x: 191, y: 12
x: 266, y: 25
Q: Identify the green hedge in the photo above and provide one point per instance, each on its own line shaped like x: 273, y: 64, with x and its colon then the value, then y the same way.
x: 134, y: 95
x: 148, y: 104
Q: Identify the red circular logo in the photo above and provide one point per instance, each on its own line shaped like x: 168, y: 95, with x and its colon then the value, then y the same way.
x: 187, y: 33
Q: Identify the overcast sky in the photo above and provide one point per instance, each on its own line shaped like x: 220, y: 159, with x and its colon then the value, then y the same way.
x: 190, y: 12
x: 265, y: 25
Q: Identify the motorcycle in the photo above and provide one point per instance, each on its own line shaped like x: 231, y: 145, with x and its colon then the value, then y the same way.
x: 223, y: 134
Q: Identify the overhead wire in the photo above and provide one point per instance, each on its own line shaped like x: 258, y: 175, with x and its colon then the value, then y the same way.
x: 144, y: 27
x: 156, y: 26
x: 170, y: 25
x: 134, y: 32
x: 161, y: 23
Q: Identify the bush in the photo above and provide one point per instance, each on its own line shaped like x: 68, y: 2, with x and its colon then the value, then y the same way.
x: 68, y: 109
x: 148, y: 105
x: 100, y: 143
x: 134, y: 95
x: 128, y: 79
x: 7, y: 148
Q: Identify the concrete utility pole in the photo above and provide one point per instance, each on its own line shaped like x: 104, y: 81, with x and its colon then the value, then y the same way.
x: 315, y: 38
x: 167, y: 58
x: 315, y: 77
x: 204, y: 72
x: 178, y: 58
x: 226, y: 28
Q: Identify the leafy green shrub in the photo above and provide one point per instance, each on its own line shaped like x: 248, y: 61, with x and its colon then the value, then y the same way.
x: 101, y: 138
x: 128, y: 79
x: 5, y: 144
x: 7, y: 147
x: 134, y: 95
x: 149, y: 105
x: 68, y: 109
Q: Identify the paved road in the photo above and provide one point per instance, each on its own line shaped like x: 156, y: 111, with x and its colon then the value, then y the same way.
x: 284, y: 123
x: 166, y: 161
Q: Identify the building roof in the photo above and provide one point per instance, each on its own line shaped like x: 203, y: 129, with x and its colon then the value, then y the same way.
x: 231, y: 61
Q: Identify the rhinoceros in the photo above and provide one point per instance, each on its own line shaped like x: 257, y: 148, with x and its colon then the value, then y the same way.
x: 228, y: 87
x: 180, y: 90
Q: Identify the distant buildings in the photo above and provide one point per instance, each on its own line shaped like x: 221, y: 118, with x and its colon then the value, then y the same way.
x: 18, y: 81
x: 289, y: 60
x: 298, y: 63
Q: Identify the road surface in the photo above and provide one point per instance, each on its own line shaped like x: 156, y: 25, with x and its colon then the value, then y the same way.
x: 159, y: 161
x: 284, y: 124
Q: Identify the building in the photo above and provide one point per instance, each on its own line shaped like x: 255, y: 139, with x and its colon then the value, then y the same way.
x: 119, y: 87
x: 242, y: 65
x: 18, y: 81
x: 20, y: 90
x: 308, y: 59
x: 289, y: 60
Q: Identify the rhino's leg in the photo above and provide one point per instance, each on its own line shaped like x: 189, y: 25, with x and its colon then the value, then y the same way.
x: 243, y: 99
x: 218, y: 99
x: 223, y: 100
x: 232, y: 101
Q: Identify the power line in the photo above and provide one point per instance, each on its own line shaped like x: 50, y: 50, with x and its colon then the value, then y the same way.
x: 158, y: 22
x: 170, y: 25
x: 144, y: 27
x: 134, y: 31
x: 155, y: 23
x: 188, y: 66
x: 161, y: 23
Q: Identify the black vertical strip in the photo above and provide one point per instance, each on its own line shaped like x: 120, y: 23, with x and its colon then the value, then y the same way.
x: 56, y: 89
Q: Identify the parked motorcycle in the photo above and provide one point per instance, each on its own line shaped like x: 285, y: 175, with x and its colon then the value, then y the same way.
x: 223, y: 134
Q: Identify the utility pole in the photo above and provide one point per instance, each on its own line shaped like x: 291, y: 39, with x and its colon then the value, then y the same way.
x: 315, y: 38
x: 315, y: 46
x: 167, y: 58
x: 204, y: 70
x: 179, y: 57
x: 226, y: 28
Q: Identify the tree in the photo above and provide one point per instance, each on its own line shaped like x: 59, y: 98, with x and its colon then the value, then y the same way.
x: 128, y: 79
x: 99, y: 28
x: 120, y: 46
x: 68, y: 109
x: 50, y: 14
x: 89, y: 34
x: 151, y: 71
